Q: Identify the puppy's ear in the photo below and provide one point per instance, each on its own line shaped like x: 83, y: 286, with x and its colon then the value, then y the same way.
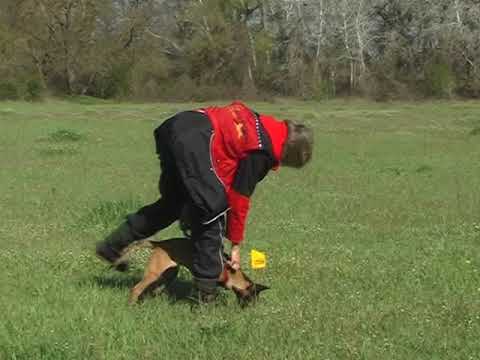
x: 259, y: 288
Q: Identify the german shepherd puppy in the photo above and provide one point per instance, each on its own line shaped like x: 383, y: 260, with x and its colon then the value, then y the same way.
x: 162, y: 269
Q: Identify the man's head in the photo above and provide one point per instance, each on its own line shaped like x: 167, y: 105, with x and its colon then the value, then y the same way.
x: 298, y: 147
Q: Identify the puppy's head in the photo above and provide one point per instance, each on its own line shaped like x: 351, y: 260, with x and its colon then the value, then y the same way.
x: 246, y: 290
x: 250, y: 294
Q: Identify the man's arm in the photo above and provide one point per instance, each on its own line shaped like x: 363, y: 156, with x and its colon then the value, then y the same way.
x: 251, y: 170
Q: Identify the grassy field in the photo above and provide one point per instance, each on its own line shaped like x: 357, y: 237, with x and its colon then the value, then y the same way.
x: 373, y: 249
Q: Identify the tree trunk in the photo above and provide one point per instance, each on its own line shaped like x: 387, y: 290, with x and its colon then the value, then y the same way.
x: 348, y: 50
x: 457, y: 13
x: 361, y: 44
x: 321, y: 21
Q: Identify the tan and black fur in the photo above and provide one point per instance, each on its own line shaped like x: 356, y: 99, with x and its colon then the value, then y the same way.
x: 162, y: 269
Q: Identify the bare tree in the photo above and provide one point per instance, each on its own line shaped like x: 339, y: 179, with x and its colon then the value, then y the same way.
x: 59, y: 33
x: 293, y: 47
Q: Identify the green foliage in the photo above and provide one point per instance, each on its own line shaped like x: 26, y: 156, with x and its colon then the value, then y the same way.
x: 34, y: 90
x: 469, y: 86
x: 236, y: 48
x: 264, y: 72
x: 264, y: 45
x: 115, y: 83
x: 440, y: 80
x: 30, y: 89
x: 149, y: 78
x: 211, y: 59
x: 322, y: 89
x: 8, y: 90
x: 183, y: 88
x: 382, y: 85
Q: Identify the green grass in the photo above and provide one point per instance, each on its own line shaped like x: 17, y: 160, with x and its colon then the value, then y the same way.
x: 372, y: 249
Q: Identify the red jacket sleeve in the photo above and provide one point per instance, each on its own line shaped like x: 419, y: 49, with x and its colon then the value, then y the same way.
x: 251, y: 170
x: 237, y: 216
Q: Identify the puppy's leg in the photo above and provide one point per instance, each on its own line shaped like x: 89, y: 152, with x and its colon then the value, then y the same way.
x: 161, y: 270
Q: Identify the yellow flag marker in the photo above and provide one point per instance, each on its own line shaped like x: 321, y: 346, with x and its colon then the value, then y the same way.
x: 258, y: 259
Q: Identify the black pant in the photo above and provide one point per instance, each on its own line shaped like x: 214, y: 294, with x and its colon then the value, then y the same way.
x: 175, y: 199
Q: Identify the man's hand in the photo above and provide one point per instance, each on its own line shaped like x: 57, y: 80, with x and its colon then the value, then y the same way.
x: 235, y: 257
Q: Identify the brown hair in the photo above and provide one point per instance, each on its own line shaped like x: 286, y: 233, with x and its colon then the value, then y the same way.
x: 298, y: 148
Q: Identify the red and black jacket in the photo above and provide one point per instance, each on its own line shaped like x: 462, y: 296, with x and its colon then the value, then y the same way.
x: 244, y: 147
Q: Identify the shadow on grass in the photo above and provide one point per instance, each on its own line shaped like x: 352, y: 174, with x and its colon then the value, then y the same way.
x: 178, y: 290
x: 114, y: 282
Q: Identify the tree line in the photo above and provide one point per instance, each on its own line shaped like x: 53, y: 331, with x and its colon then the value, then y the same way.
x: 205, y: 49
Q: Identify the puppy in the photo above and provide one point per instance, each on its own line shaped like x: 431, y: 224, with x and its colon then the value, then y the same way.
x: 162, y: 269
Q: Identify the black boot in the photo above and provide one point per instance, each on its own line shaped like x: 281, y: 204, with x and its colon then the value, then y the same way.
x: 204, y: 291
x: 111, y: 249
